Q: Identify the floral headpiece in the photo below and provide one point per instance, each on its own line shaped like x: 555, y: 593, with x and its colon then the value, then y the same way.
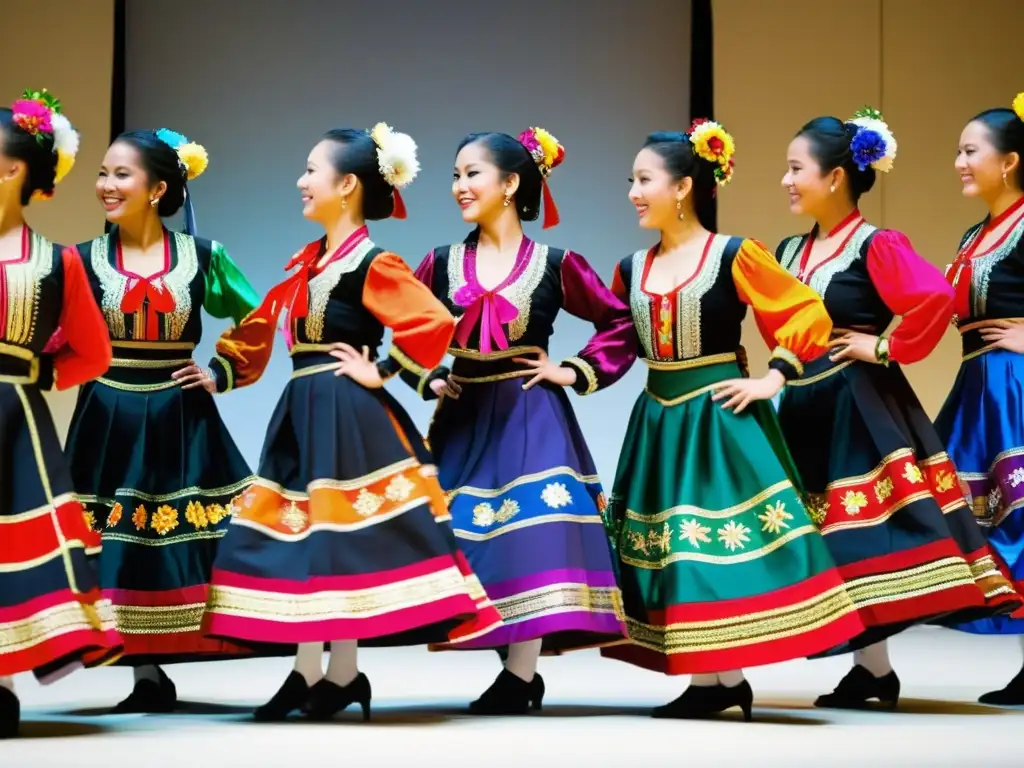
x: 192, y: 157
x: 397, y: 161
x: 873, y: 145
x: 711, y: 142
x: 39, y: 114
x: 548, y: 154
x: 1018, y: 105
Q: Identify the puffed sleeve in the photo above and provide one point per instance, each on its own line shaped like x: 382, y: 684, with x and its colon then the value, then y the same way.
x: 421, y: 327
x: 790, y: 316
x: 82, y: 342
x: 613, y: 348
x: 228, y: 293
x: 915, y: 290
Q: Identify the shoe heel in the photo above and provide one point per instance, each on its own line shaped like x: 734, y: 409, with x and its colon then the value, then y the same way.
x: 537, y: 694
x: 365, y: 705
x: 748, y: 714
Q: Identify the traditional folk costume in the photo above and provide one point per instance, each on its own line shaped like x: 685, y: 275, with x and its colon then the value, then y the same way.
x: 523, y: 491
x: 982, y: 422
x: 155, y: 464
x: 344, y: 534
x: 721, y: 566
x: 882, y: 489
x: 51, y: 613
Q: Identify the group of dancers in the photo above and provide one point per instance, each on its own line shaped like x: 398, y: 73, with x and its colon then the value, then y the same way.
x: 734, y: 535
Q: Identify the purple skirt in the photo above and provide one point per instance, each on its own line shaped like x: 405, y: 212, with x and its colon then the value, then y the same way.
x: 526, y: 507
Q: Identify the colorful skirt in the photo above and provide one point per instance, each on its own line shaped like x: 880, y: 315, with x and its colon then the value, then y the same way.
x: 344, y: 534
x: 526, y: 506
x: 52, y: 616
x: 982, y: 425
x: 156, y: 469
x: 886, y: 498
x: 721, y: 566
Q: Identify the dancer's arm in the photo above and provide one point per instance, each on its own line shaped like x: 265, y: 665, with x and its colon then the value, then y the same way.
x: 790, y: 316
x: 82, y: 341
x: 613, y: 348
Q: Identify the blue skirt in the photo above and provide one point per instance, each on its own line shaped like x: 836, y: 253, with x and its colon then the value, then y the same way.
x: 982, y: 423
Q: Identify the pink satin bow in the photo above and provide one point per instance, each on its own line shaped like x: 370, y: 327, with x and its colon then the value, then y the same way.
x: 491, y: 309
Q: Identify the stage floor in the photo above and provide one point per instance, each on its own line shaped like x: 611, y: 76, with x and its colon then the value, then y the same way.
x: 594, y: 716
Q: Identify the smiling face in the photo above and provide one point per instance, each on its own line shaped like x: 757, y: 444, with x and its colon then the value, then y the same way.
x: 478, y: 186
x: 653, y: 191
x: 123, y: 187
x: 321, y: 186
x: 809, y: 189
x: 980, y: 164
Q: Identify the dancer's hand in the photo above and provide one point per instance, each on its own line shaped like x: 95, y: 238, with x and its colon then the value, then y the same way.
x: 194, y: 377
x: 358, y: 367
x: 855, y: 346
x: 742, y: 392
x: 545, y: 370
x: 1005, y: 334
x: 446, y: 388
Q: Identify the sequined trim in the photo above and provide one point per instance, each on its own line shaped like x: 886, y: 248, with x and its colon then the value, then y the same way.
x: 982, y: 266
x: 822, y: 275
x: 691, y: 296
x: 55, y: 622
x: 783, y: 354
x: 456, y: 269
x: 588, y: 372
x: 553, y: 599
x: 323, y: 284
x: 179, y: 283
x: 112, y: 286
x: 23, y: 283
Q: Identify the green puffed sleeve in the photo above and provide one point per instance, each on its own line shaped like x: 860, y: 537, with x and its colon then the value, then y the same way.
x: 228, y: 293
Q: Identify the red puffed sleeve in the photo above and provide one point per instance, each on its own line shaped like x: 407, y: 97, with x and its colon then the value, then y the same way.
x: 915, y: 290
x: 421, y: 327
x: 790, y: 316
x: 613, y: 348
x: 84, y: 350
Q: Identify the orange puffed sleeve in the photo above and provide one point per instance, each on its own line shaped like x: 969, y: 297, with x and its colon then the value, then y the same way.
x: 790, y: 316
x: 421, y: 327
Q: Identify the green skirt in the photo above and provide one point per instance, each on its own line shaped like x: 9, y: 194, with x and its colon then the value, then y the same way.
x: 720, y: 564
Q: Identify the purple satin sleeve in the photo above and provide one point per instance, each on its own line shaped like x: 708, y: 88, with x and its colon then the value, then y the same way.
x: 613, y: 348
x: 425, y: 271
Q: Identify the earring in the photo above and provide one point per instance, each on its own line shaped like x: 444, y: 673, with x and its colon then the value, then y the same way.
x: 1005, y: 182
x: 832, y: 189
x: 679, y: 207
x: 508, y: 200
x: 344, y: 203
x: 154, y: 202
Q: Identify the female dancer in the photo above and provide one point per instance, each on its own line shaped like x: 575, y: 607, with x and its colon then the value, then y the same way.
x: 882, y: 490
x: 149, y: 453
x: 51, y: 615
x: 344, y: 536
x: 721, y: 567
x: 524, y: 495
x: 981, y: 421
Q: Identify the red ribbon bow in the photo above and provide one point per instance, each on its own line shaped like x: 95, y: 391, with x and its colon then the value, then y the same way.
x: 159, y: 300
x: 490, y: 309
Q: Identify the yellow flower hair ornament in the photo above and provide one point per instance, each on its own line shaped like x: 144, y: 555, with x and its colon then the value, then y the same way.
x: 192, y: 158
x: 548, y: 154
x: 1018, y: 105
x: 39, y: 114
x: 711, y: 142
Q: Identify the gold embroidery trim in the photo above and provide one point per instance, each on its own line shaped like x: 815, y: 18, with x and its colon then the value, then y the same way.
x: 24, y: 283
x: 786, y: 356
x: 143, y: 388
x: 31, y: 378
x: 179, y: 282
x: 588, y: 373
x: 405, y: 361
x: 159, y: 619
x: 694, y: 362
x: 819, y: 376
x: 304, y: 347
x: 124, y: 362
x: 229, y: 372
x: 315, y: 369
x: 671, y: 403
x: 501, y: 354
x: 491, y: 493
x: 559, y: 598
x: 19, y: 353
x: 492, y: 378
x: 54, y: 622
x: 175, y: 346
x: 323, y: 284
x: 689, y: 510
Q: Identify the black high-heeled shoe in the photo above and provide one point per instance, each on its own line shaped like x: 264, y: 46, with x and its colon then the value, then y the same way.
x: 10, y: 714
x: 326, y: 699
x: 859, y: 687
x: 293, y: 694
x: 150, y: 697
x: 510, y: 695
x: 1010, y: 696
x: 703, y: 701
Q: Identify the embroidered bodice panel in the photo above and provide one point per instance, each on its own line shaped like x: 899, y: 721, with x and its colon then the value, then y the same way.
x: 536, y: 293
x: 997, y: 277
x: 843, y: 281
x: 31, y: 291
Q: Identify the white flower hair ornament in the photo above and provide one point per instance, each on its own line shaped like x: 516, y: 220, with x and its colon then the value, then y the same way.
x: 39, y: 114
x: 873, y: 145
x: 396, y: 159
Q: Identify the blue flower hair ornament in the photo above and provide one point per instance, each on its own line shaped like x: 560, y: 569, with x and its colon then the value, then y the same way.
x: 873, y: 145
